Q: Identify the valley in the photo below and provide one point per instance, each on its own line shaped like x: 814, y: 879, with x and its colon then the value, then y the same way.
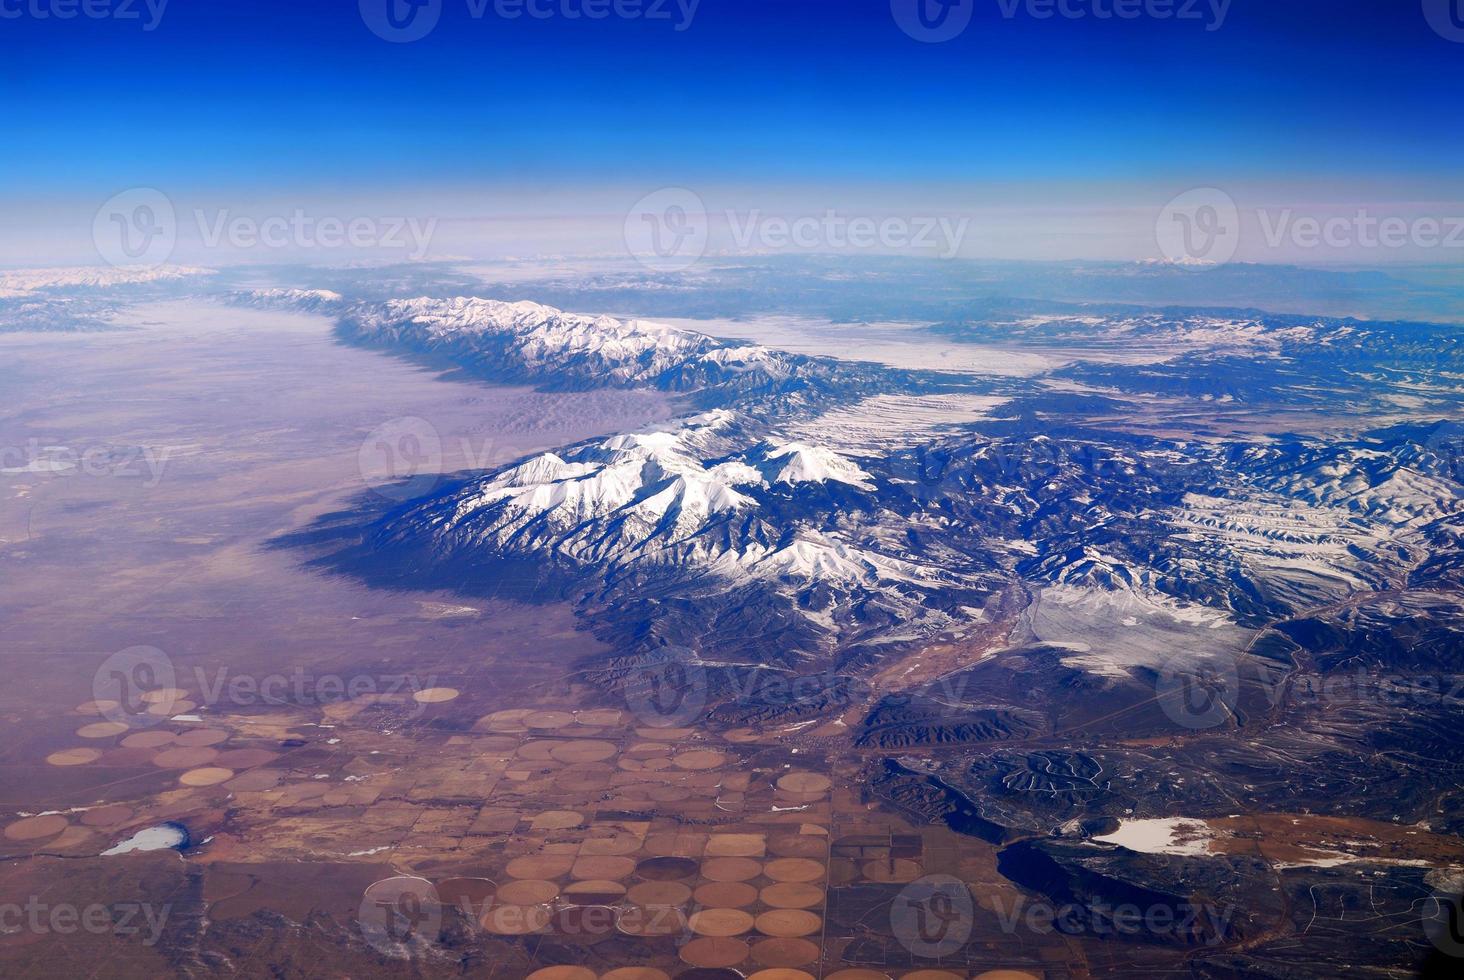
x: 714, y: 660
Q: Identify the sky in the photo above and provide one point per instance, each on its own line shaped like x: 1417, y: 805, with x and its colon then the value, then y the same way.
x: 1057, y: 128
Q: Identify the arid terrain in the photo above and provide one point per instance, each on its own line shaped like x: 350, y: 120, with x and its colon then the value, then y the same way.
x: 261, y: 728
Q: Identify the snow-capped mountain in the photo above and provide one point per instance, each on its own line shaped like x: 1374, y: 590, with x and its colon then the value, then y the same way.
x: 23, y: 282
x: 302, y: 300
x: 531, y: 343
x: 791, y: 521
x: 86, y: 298
x: 695, y: 499
x: 708, y: 505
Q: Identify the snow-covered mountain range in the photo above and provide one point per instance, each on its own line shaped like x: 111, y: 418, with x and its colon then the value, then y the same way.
x: 813, y: 512
x: 24, y: 282
x: 528, y: 342
x: 83, y: 298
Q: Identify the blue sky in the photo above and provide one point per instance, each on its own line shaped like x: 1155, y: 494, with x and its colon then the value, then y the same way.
x: 1338, y: 101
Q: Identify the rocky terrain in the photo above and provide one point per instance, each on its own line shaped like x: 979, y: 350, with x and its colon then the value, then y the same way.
x: 1220, y: 578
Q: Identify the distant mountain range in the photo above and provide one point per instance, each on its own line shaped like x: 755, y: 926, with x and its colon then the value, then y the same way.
x: 1212, y: 482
